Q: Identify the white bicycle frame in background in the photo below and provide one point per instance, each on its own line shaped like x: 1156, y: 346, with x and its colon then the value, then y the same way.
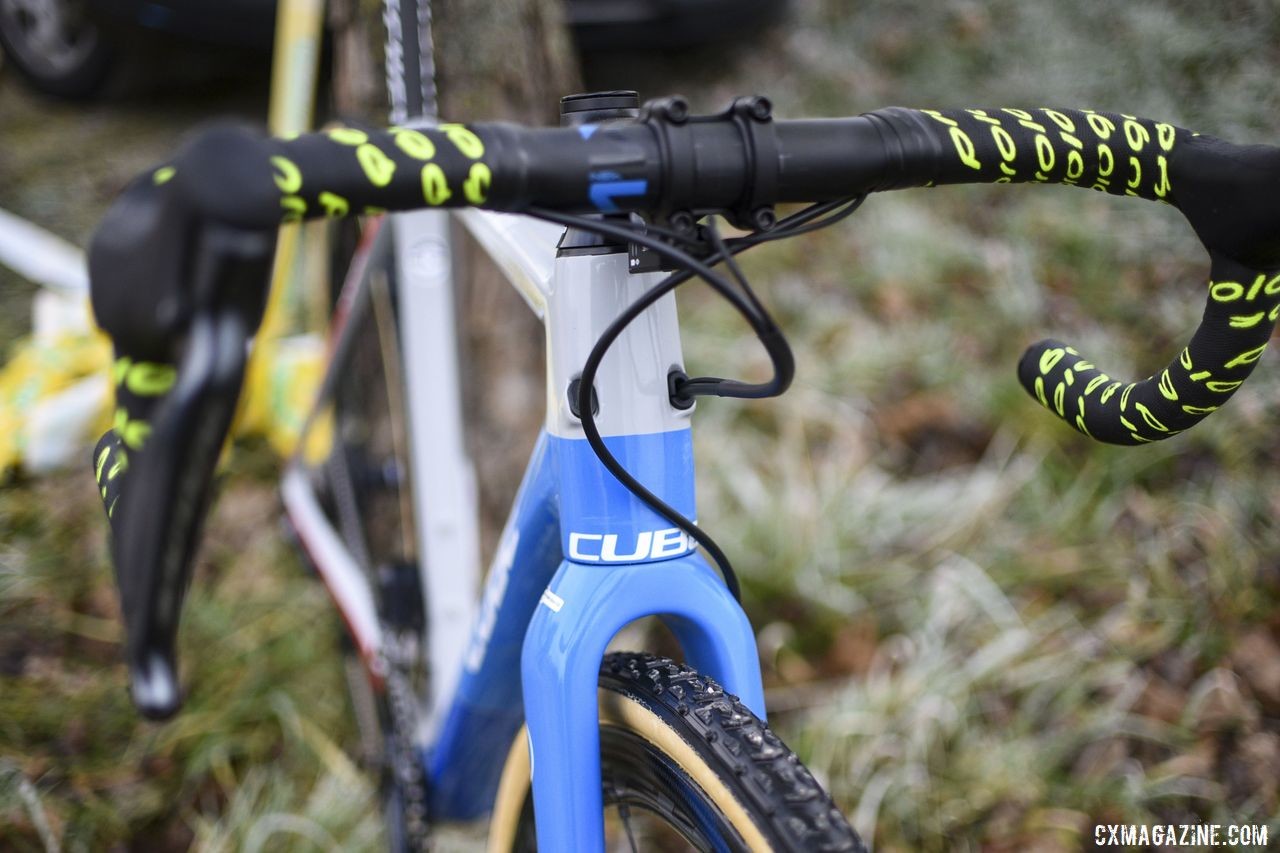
x: 442, y: 472
x: 445, y: 507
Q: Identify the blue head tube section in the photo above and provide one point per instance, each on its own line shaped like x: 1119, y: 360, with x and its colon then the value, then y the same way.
x: 601, y: 521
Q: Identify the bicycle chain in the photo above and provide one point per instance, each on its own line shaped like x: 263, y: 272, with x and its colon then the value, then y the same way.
x: 405, y: 759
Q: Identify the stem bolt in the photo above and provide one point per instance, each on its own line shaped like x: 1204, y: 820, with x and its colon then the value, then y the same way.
x: 763, y: 218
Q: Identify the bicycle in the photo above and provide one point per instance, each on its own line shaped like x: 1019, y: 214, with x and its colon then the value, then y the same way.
x: 602, y: 529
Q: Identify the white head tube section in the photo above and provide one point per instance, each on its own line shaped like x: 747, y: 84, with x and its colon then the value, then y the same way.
x: 587, y: 294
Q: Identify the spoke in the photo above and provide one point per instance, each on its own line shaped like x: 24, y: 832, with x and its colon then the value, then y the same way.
x: 625, y: 813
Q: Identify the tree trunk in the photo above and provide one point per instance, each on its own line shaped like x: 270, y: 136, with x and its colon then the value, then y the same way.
x: 501, y: 59
x: 358, y: 84
x: 507, y: 59
x: 495, y: 59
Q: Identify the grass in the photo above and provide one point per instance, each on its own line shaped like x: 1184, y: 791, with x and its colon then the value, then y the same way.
x: 258, y: 748
x: 981, y: 630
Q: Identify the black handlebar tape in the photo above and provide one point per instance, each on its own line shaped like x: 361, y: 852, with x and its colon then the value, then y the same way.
x: 235, y: 176
x: 139, y: 387
x: 1229, y: 193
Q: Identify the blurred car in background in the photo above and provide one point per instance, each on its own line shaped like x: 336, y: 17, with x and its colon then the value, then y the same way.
x: 70, y: 48
x: 53, y: 46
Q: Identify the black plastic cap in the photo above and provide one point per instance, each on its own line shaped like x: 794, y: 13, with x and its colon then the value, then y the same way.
x: 153, y: 684
x: 589, y: 107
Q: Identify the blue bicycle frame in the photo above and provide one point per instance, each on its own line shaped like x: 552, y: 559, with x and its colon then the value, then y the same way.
x: 580, y: 556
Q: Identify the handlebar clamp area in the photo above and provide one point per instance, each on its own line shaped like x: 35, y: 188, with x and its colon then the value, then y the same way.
x: 746, y: 124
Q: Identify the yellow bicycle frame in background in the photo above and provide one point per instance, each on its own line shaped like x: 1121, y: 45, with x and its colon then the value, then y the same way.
x: 287, y: 360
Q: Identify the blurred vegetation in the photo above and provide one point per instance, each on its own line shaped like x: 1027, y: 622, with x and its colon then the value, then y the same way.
x: 980, y: 630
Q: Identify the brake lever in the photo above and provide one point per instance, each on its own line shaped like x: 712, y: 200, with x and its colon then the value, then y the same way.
x: 164, y: 505
x: 161, y: 512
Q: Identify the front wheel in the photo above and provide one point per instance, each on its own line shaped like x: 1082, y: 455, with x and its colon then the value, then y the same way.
x: 685, y: 766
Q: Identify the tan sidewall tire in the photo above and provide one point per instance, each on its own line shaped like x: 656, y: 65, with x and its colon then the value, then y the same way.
x: 627, y: 713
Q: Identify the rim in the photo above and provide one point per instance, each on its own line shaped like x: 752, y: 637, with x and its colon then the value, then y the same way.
x: 50, y: 37
x: 650, y: 804
x: 704, y: 814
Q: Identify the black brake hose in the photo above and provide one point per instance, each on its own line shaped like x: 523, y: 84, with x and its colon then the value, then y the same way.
x: 810, y: 219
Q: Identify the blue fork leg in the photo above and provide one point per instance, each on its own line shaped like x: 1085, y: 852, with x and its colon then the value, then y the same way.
x: 585, y: 605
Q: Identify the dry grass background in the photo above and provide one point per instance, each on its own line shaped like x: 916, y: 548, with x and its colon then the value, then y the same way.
x: 982, y: 631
